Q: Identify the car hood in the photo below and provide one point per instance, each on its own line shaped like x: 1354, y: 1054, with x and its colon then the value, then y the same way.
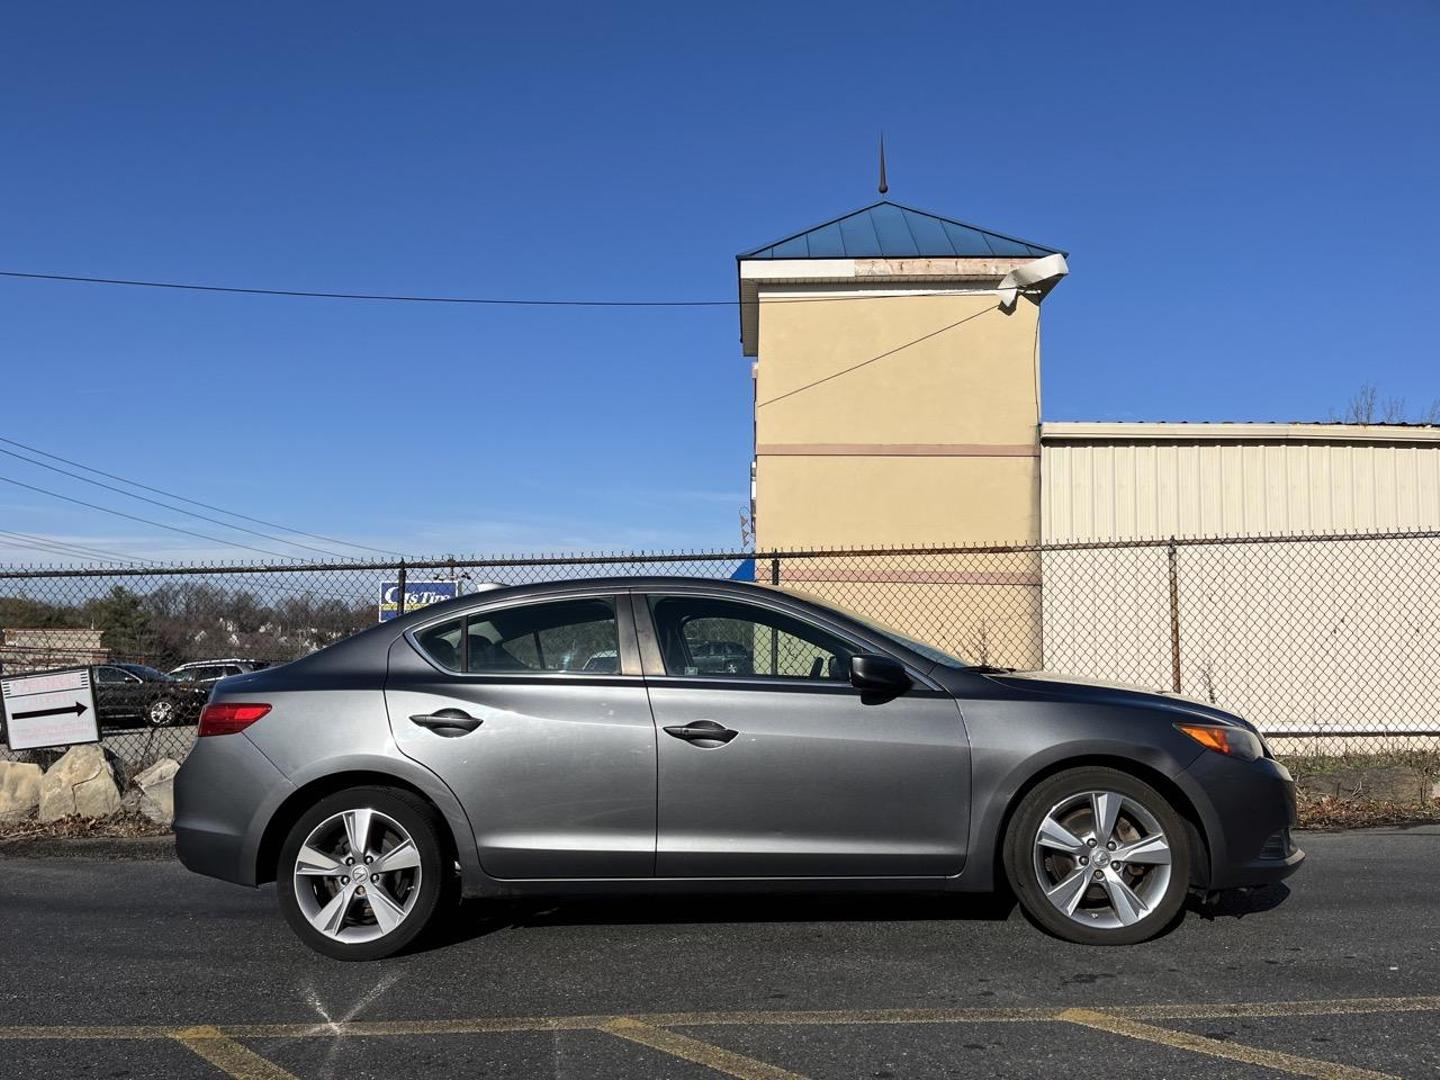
x: 1079, y: 688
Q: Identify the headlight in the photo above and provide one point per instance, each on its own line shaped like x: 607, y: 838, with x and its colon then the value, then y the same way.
x: 1233, y: 742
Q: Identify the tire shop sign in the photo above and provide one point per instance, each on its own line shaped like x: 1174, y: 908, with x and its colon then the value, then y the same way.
x: 53, y: 709
x: 418, y: 594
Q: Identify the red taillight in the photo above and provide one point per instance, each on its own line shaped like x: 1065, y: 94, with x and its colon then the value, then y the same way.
x: 226, y: 718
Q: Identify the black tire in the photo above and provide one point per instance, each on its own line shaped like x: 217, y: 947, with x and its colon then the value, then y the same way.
x: 1020, y: 858
x: 435, y: 890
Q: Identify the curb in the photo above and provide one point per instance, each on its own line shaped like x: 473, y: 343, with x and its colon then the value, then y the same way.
x: 90, y: 847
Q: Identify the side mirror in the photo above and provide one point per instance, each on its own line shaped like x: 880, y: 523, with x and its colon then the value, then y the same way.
x: 878, y: 674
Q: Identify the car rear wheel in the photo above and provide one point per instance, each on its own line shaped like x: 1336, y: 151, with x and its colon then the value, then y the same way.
x: 363, y: 872
x: 1098, y: 857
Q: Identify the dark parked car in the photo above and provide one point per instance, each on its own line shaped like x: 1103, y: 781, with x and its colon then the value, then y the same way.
x: 133, y: 695
x: 472, y: 747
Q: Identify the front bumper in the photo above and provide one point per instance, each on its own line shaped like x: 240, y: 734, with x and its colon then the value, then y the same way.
x: 1248, y: 810
x: 225, y: 793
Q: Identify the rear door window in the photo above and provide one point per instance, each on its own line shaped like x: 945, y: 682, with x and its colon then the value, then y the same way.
x: 565, y: 635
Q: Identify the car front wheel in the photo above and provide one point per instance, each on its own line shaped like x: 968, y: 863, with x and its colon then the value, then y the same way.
x: 1099, y: 857
x: 363, y: 872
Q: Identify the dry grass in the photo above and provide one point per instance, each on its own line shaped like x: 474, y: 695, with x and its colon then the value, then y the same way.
x: 121, y: 826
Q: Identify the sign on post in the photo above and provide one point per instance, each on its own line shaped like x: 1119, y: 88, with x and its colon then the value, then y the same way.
x: 418, y: 594
x: 56, y: 708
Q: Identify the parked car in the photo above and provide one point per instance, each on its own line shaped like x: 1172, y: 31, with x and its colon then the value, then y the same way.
x: 133, y: 695
x: 465, y: 748
x: 212, y: 671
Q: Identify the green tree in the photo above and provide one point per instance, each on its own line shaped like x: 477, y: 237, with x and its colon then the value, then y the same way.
x: 123, y: 618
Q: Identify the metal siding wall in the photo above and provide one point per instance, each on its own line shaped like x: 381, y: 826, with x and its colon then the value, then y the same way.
x: 1125, y: 491
x: 1254, y: 622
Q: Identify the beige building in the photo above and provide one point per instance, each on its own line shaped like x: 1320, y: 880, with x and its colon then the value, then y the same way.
x: 897, y: 405
x: 897, y: 401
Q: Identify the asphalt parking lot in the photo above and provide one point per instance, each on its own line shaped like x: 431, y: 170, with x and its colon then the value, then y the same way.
x: 139, y: 969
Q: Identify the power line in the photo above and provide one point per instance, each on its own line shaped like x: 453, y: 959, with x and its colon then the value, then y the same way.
x: 167, y: 506
x: 873, y: 359
x: 399, y: 298
x: 483, y: 301
x: 144, y: 521
x: 196, y: 502
x: 61, y: 547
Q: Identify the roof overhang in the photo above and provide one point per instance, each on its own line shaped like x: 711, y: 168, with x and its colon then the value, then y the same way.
x: 756, y: 275
x: 1122, y: 432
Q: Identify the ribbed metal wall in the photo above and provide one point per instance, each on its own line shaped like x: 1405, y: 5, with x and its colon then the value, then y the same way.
x: 1130, y: 490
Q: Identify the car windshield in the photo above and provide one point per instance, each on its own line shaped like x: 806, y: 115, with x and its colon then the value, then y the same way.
x: 925, y: 649
x: 149, y: 674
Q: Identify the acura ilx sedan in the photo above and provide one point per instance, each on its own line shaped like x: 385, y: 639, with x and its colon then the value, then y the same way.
x: 672, y: 734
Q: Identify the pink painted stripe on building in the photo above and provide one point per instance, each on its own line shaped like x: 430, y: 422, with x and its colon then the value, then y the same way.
x: 1028, y: 450
x: 913, y: 577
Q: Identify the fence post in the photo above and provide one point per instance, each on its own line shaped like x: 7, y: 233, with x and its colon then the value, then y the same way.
x: 400, y: 592
x: 774, y: 636
x: 1171, y: 558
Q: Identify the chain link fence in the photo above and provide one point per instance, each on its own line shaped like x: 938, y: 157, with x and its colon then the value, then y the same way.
x: 1331, y: 644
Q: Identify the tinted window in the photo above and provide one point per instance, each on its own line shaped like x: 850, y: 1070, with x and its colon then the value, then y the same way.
x: 442, y: 643
x: 568, y: 635
x: 111, y: 676
x: 701, y: 636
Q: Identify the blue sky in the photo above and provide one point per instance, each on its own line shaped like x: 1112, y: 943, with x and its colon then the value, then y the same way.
x: 1281, y: 159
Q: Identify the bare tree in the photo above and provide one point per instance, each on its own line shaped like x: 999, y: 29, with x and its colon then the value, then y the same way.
x: 1367, y: 407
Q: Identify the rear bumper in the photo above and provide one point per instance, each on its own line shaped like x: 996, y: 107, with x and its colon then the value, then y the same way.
x: 1248, y: 811
x: 225, y: 793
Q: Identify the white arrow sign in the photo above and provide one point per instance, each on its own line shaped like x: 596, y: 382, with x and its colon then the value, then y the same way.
x: 53, y: 709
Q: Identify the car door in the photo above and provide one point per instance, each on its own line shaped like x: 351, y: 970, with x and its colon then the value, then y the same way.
x: 118, y: 695
x: 805, y: 775
x: 535, y: 714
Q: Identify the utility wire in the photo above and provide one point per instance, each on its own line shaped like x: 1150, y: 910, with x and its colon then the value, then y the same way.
x: 485, y: 301
x: 60, y: 547
x: 167, y: 506
x: 196, y: 502
x: 143, y: 521
x: 873, y: 359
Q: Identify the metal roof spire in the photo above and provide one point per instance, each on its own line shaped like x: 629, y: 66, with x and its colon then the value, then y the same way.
x: 884, y: 187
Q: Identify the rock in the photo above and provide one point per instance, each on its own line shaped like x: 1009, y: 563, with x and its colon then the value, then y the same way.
x: 80, y: 783
x: 19, y: 790
x: 162, y: 772
x: 157, y: 786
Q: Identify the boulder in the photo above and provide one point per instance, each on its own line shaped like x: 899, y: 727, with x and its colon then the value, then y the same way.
x: 157, y: 787
x: 19, y: 790
x: 82, y: 783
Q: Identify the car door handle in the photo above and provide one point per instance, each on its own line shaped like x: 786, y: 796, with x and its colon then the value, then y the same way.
x: 447, y: 722
x: 702, y: 731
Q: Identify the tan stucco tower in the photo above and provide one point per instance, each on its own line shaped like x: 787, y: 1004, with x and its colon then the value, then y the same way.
x: 897, y: 396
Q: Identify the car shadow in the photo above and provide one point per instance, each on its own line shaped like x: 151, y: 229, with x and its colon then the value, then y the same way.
x: 1237, y: 903
x: 479, y: 918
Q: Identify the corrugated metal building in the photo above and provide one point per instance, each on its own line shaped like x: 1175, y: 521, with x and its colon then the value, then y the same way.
x: 1292, y: 635
x: 1123, y: 481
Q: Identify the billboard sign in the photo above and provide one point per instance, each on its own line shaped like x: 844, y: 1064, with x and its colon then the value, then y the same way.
x: 418, y: 594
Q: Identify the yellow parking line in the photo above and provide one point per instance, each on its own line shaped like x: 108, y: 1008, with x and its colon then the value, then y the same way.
x: 362, y: 1028
x: 1260, y: 1009
x: 701, y: 1053
x: 1250, y: 1055
x: 491, y: 1025
x: 229, y: 1056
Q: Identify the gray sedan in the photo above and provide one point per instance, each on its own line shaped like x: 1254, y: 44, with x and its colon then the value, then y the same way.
x: 647, y: 734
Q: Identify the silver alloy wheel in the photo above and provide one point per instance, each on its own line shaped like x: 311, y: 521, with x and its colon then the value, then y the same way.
x: 1102, y: 859
x: 161, y: 713
x: 357, y: 876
